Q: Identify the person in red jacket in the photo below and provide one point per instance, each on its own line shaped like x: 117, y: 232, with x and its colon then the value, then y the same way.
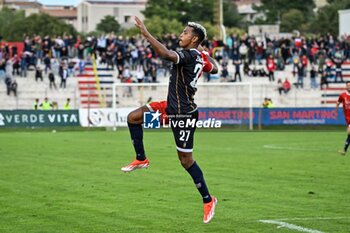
x: 286, y: 86
x: 271, y: 67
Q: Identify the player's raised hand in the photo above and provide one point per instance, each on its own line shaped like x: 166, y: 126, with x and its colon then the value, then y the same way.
x: 141, y: 26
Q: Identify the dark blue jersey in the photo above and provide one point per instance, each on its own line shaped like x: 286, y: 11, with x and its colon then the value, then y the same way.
x: 183, y: 80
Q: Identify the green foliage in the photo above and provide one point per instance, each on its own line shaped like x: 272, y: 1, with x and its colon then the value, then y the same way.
x: 131, y: 32
x: 8, y: 18
x: 14, y: 25
x: 274, y: 9
x: 108, y: 24
x: 198, y: 10
x: 194, y: 10
x: 327, y: 19
x: 158, y: 26
x: 292, y: 20
x: 165, y: 9
x: 231, y: 16
x: 212, y: 30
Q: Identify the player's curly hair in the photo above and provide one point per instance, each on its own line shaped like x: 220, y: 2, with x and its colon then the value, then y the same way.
x: 199, y: 31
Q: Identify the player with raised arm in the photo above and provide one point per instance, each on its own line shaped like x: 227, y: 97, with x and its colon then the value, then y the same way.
x: 187, y: 67
x: 344, y: 98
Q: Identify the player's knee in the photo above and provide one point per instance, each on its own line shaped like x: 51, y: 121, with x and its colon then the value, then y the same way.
x: 130, y: 117
x: 136, y: 116
x: 186, y: 159
x: 133, y: 117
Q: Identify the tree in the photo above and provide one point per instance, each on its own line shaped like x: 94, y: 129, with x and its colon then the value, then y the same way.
x: 327, y: 18
x: 108, y: 24
x: 159, y: 27
x: 7, y: 18
x: 292, y: 20
x: 191, y: 10
x: 231, y: 15
x: 165, y: 9
x: 14, y: 25
x: 274, y: 9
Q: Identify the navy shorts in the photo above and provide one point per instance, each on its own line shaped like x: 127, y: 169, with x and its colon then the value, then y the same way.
x: 183, y: 127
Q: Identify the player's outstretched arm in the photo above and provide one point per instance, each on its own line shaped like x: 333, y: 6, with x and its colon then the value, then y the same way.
x: 213, y: 62
x: 210, y: 59
x: 160, y: 49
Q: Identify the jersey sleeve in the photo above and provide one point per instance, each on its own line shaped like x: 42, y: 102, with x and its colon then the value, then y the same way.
x: 183, y: 57
x: 341, y: 99
x: 207, y: 66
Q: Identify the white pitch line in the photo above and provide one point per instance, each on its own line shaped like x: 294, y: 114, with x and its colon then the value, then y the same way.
x: 277, y: 147
x: 312, y: 218
x: 291, y: 226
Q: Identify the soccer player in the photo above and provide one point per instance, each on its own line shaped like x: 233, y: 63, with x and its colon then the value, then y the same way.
x: 187, y: 67
x: 344, y: 98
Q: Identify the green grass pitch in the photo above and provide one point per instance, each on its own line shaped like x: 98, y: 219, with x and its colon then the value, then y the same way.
x: 71, y: 182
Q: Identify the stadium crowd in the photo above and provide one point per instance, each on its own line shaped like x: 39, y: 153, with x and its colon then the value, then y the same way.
x: 136, y: 61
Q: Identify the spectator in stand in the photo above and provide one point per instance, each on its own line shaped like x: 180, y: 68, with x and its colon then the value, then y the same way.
x: 304, y: 62
x: 9, y: 68
x: 24, y: 65
x: 266, y: 103
x: 224, y: 72
x: 109, y: 57
x: 285, y: 53
x: 66, y: 106
x: 13, y: 87
x: 6, y: 52
x: 296, y: 61
x: 153, y: 69
x: 259, y: 52
x: 38, y: 48
x: 126, y: 73
x: 81, y: 50
x: 71, y: 68
x: 252, y: 51
x: 237, y: 77
x: 81, y: 66
x: 270, y: 104
x: 63, y: 74
x: 286, y: 86
x: 338, y: 60
x: 300, y: 81
x: 321, y: 61
x: 46, y: 105
x: 324, y: 80
x: 329, y: 65
x: 52, y: 80
x: 47, y: 63
x: 235, y: 51
x: 38, y: 74
x: 8, y: 82
x: 313, y: 75
x: 140, y: 74
x: 2, y: 69
x: 36, y: 104
x: 14, y: 50
x: 54, y: 105
x: 15, y: 65
x: 271, y: 66
x: 243, y: 49
x: 280, y: 87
